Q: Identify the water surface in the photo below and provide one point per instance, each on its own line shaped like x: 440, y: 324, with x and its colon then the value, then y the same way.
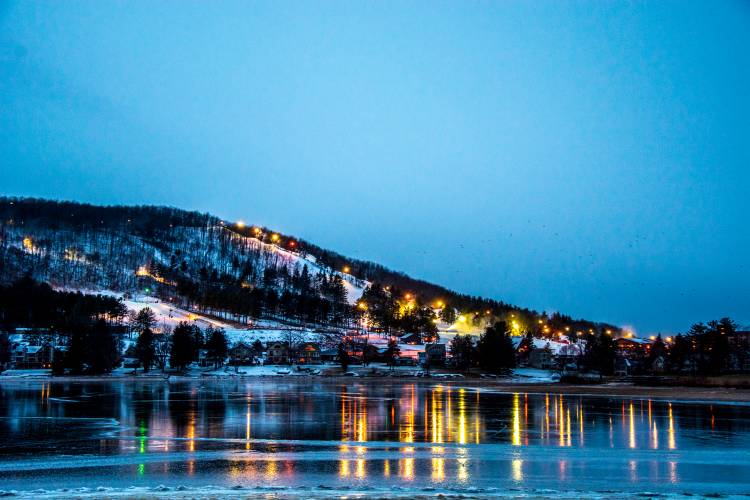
x: 363, y: 436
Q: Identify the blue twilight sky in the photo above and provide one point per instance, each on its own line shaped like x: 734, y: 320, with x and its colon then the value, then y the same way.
x: 586, y: 157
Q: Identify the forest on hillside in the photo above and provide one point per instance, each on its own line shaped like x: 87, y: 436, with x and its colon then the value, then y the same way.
x: 232, y: 270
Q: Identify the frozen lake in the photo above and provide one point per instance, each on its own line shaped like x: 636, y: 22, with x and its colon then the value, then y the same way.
x: 374, y: 438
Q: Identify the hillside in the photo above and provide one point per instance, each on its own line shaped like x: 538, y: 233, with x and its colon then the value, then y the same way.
x: 232, y: 270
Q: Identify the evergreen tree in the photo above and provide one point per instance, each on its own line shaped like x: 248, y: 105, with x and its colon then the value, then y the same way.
x: 4, y: 350
x: 448, y: 315
x: 600, y: 354
x: 145, y: 349
x: 392, y: 352
x: 343, y: 357
x: 182, y: 351
x: 463, y: 351
x: 657, y: 350
x: 75, y: 357
x: 495, y: 349
x: 145, y: 319
x: 217, y: 345
x: 104, y: 349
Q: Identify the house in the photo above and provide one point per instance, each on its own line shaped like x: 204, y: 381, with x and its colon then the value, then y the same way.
x: 411, y: 338
x: 541, y: 358
x: 329, y: 355
x: 309, y: 354
x: 633, y: 347
x: 241, y: 354
x: 277, y: 353
x: 435, y: 354
x: 623, y: 367
x: 32, y: 356
x: 203, y: 361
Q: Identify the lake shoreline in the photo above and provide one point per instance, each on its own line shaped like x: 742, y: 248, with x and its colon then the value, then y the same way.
x: 707, y: 395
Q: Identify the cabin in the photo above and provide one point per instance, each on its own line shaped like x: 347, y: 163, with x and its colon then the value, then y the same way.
x: 329, y: 355
x: 633, y: 347
x: 32, y: 356
x: 277, y: 353
x: 309, y: 354
x: 541, y: 358
x: 435, y: 354
x: 241, y: 354
x: 411, y: 338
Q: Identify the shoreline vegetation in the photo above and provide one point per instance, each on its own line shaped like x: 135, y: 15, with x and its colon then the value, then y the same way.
x: 716, y: 393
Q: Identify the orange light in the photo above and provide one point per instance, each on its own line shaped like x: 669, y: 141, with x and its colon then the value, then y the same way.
x: 347, y: 269
x: 407, y: 296
x: 275, y: 237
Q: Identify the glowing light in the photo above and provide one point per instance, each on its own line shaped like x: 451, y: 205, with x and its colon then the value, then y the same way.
x: 439, y: 304
x: 516, y: 436
x: 517, y: 469
x: 257, y: 230
x: 407, y: 296
x: 28, y: 244
x: 668, y: 339
x: 462, y: 318
x: 670, y: 434
x: 631, y: 434
x: 240, y: 224
x: 347, y: 269
x: 275, y: 237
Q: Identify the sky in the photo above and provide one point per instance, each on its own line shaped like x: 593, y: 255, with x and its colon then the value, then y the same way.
x: 586, y: 157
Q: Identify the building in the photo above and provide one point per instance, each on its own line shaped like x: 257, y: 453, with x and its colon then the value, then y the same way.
x: 633, y: 347
x: 541, y: 358
x: 277, y: 353
x: 435, y: 354
x: 309, y: 354
x: 32, y: 356
x: 411, y: 338
x: 329, y: 355
x: 241, y: 354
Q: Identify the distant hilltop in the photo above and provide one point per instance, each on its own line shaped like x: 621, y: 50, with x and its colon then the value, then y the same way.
x: 237, y: 270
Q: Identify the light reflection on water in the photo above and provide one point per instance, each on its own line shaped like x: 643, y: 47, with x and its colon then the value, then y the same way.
x: 413, y: 433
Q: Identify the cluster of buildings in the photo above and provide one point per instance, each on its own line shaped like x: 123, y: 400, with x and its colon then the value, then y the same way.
x: 33, y: 348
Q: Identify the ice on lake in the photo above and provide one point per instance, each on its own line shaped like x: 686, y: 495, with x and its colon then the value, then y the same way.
x: 302, y: 438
